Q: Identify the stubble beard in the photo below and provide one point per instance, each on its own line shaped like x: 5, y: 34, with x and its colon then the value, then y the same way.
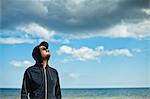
x: 48, y: 56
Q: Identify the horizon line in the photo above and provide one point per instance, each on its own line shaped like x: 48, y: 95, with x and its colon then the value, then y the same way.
x: 86, y: 87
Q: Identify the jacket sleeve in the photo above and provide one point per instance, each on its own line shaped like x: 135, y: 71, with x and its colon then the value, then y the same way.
x: 25, y: 86
x: 57, y: 88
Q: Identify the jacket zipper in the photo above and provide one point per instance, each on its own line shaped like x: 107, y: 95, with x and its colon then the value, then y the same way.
x: 45, y: 76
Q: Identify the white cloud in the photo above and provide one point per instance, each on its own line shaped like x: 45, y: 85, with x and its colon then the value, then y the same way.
x: 118, y: 52
x: 147, y: 11
x: 65, y: 49
x: 85, y: 53
x: 130, y: 30
x: 50, y: 40
x: 137, y: 30
x: 11, y: 40
x: 24, y: 63
x: 30, y: 36
x: 37, y: 30
x: 74, y: 75
x: 67, y: 60
x: 42, y: 33
x: 64, y: 41
x: 136, y: 50
x: 70, y: 17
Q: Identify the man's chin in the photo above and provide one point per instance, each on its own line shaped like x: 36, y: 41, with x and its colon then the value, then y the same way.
x: 48, y: 56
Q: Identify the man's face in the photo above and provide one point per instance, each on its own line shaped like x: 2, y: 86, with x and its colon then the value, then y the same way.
x: 44, y: 52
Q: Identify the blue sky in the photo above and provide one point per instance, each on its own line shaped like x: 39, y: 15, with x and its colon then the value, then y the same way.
x: 94, y: 44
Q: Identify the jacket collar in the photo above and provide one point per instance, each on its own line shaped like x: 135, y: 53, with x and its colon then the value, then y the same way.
x: 41, y: 65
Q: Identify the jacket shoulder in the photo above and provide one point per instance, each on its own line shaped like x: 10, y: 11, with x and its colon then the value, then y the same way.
x: 30, y: 68
x: 52, y: 69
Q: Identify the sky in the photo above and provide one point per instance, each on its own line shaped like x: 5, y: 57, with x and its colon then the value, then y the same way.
x: 93, y: 43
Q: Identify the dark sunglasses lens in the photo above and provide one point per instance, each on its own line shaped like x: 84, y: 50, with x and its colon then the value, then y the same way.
x: 43, y: 48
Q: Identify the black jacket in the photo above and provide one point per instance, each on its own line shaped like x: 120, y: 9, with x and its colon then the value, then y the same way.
x: 38, y: 81
x: 34, y: 83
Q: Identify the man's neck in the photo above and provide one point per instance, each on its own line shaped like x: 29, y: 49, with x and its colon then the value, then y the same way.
x: 44, y: 63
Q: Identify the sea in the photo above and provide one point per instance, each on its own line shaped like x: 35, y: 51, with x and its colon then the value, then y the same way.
x: 88, y: 93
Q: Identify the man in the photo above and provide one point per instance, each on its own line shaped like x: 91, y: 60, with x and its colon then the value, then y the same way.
x: 41, y: 81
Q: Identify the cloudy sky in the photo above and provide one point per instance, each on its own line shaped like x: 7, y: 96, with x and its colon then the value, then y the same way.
x: 94, y: 43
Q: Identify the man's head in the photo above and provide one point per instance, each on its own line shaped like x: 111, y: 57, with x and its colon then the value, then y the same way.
x: 44, y: 52
x: 41, y: 52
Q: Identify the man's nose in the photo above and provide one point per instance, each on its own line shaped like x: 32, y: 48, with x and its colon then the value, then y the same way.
x: 47, y: 50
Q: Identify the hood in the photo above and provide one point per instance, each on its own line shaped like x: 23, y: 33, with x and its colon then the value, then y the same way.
x: 36, y: 54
